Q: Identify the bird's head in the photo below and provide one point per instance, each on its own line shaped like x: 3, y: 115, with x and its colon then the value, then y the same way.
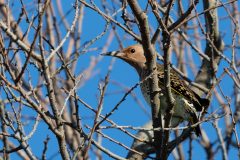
x: 133, y: 55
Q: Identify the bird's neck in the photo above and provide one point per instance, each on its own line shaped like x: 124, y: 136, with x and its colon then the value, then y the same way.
x: 139, y: 67
x: 143, y: 72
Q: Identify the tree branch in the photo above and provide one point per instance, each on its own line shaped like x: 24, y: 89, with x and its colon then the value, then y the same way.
x: 151, y: 64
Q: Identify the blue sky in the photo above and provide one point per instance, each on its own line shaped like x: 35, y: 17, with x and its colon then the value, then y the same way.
x: 129, y: 112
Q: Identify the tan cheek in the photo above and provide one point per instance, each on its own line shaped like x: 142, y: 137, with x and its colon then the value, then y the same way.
x: 135, y: 56
x: 127, y: 55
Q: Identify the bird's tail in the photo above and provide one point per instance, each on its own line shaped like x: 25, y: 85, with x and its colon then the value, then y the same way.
x: 204, y: 102
x: 198, y: 131
x: 193, y: 121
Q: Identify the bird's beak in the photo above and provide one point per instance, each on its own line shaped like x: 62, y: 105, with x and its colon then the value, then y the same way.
x: 113, y: 53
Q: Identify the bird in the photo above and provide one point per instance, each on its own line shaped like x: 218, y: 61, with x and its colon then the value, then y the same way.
x: 187, y: 102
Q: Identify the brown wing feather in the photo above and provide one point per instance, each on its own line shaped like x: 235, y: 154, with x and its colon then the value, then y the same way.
x: 178, y: 86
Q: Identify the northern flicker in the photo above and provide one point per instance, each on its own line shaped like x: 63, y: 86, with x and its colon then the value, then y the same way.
x: 187, y: 102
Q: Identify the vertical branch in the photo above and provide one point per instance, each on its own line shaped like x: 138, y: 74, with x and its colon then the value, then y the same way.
x: 167, y: 82
x: 99, y: 109
x: 151, y: 64
x: 206, y: 75
x: 50, y: 90
x: 220, y: 137
x: 4, y: 130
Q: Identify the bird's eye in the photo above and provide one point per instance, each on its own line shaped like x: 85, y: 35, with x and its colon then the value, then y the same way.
x: 132, y: 50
